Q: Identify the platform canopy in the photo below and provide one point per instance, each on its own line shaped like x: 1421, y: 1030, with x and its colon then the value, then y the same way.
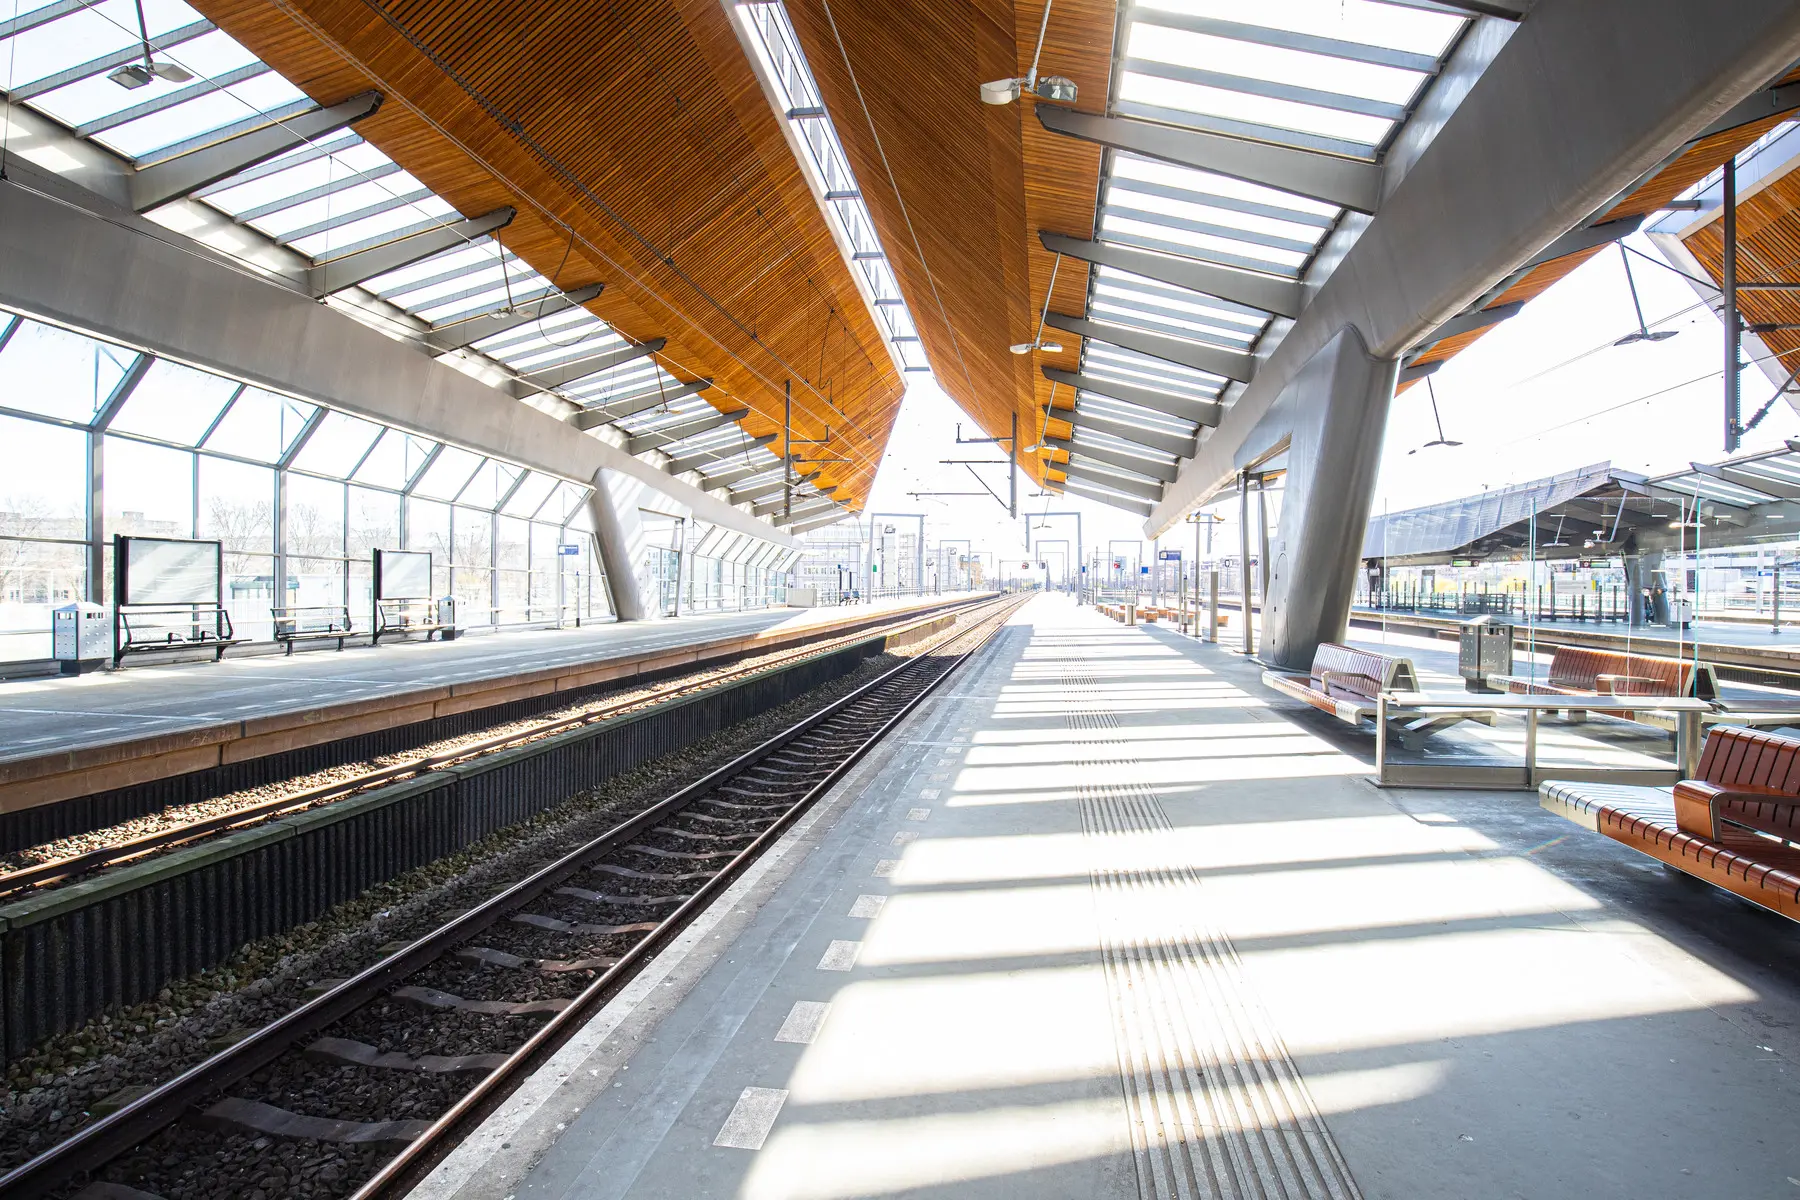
x: 1599, y: 511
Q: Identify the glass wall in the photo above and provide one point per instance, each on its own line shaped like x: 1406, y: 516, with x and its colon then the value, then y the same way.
x: 97, y: 440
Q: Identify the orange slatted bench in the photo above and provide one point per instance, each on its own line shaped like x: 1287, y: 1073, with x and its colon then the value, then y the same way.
x: 1746, y: 778
x: 1345, y: 682
x: 1579, y: 671
x: 1735, y: 825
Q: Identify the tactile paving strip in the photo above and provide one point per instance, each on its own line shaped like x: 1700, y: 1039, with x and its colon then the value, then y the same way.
x: 1218, y: 1109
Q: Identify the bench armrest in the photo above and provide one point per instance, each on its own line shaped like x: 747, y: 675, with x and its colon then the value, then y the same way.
x: 1698, y: 803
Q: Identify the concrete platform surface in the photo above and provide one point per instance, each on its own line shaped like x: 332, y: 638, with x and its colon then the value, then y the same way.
x: 1101, y: 921
x: 61, y: 713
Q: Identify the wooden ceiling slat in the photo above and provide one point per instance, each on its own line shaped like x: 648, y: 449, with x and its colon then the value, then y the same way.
x: 976, y: 182
x: 644, y: 129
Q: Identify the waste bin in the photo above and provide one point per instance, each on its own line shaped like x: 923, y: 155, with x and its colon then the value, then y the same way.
x: 1484, y: 652
x: 446, y: 618
x: 1681, y: 612
x: 80, y: 636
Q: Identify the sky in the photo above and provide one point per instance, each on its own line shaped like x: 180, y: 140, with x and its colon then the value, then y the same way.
x: 1542, y: 393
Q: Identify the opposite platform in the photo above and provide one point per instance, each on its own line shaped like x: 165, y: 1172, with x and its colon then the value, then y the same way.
x: 70, y: 736
x: 1102, y: 921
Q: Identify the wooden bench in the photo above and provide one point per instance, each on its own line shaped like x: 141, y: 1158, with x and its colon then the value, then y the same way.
x: 1735, y: 825
x: 312, y: 623
x: 1345, y: 683
x: 1749, y: 778
x: 1579, y: 671
x: 147, y: 629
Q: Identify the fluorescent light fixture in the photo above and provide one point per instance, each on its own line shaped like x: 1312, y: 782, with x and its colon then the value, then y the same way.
x: 130, y: 76
x: 1000, y: 91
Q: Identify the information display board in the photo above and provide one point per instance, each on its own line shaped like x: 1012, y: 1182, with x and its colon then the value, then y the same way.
x: 402, y: 575
x: 167, y: 571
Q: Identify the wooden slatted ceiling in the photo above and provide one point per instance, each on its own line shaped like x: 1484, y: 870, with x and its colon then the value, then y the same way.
x: 1692, y: 165
x: 971, y: 184
x: 642, y: 129
x: 1768, y: 251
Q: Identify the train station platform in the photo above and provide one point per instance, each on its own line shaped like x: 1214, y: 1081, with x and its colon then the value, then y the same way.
x: 67, y: 736
x: 1100, y: 920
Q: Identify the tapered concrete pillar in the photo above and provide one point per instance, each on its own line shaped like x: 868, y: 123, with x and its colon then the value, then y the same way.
x: 617, y: 529
x: 1336, y: 408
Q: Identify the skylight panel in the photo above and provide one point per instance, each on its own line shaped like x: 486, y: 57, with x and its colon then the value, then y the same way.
x: 72, y: 40
x: 1258, y: 110
x: 1162, y: 321
x: 480, y: 253
x: 1269, y: 231
x: 1272, y: 64
x: 299, y: 179
x: 1212, y: 247
x: 425, y: 211
x: 1364, y: 21
x: 206, y: 112
x: 1256, y: 198
x: 279, y: 225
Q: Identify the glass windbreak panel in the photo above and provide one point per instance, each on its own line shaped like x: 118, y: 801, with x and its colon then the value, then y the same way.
x: 261, y: 425
x: 315, y: 517
x: 149, y: 489
x: 173, y: 403
x: 473, y: 545
x: 428, y: 528
x: 395, y: 459
x: 513, y: 599
x: 315, y: 581
x: 237, y: 505
x: 35, y: 578
x: 337, y: 445
x: 374, y: 522
x: 530, y: 495
x: 250, y: 593
x: 43, y: 481
x: 512, y: 543
x: 56, y: 373
x: 446, y: 477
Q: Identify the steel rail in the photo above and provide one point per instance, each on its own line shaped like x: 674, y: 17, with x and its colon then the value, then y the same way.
x: 129, y: 1126
x: 56, y: 870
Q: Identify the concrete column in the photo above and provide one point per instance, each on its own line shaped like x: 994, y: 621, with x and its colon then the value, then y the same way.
x: 1336, y: 407
x: 618, y: 533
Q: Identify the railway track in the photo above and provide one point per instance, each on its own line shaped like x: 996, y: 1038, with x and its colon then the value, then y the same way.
x: 336, y: 1097
x: 342, y: 784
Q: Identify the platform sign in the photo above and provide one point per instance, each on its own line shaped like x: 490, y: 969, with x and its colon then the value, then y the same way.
x: 568, y: 550
x: 1143, y: 570
x: 1169, y: 555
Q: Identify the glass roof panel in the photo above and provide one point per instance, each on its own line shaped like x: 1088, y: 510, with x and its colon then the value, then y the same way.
x: 145, y: 135
x: 1274, y: 64
x: 261, y: 425
x: 298, y: 178
x: 352, y: 199
x: 1204, y: 101
x: 97, y: 96
x: 337, y: 445
x: 1365, y: 21
x: 173, y: 403
x: 339, y: 238
x: 395, y: 459
x: 446, y: 477
x: 530, y: 494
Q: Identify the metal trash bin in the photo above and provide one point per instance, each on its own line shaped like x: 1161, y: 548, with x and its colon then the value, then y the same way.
x: 1681, y: 612
x: 1484, y: 651
x: 81, y: 636
x: 446, y: 618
